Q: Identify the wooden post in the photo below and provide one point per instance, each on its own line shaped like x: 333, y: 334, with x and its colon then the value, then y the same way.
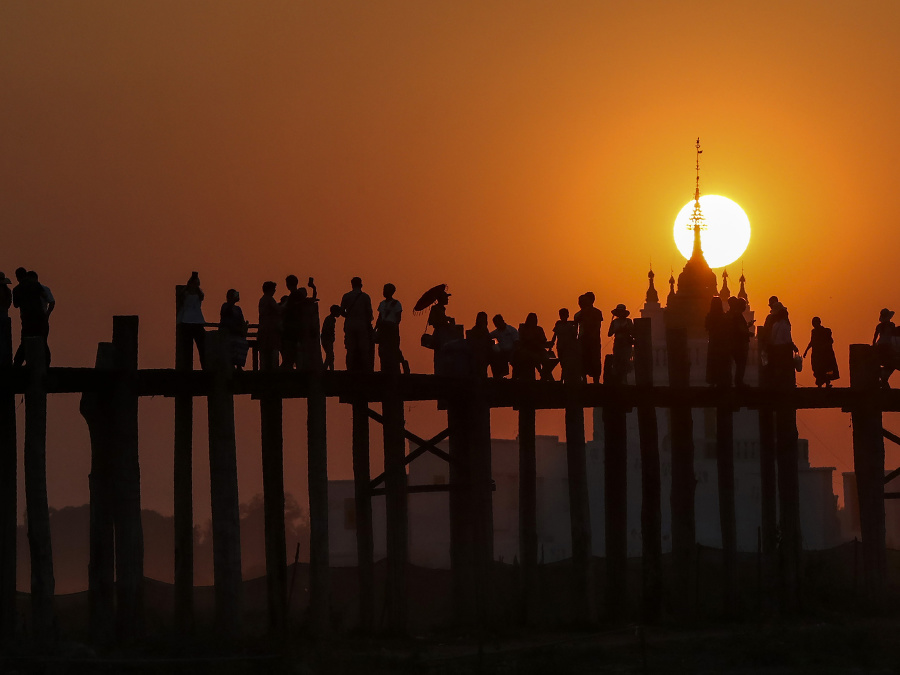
x: 528, y: 541
x: 651, y: 513
x: 317, y: 472
x: 868, y: 464
x: 683, y: 479
x: 461, y: 514
x: 8, y: 492
x: 580, y: 516
x: 223, y: 485
x: 767, y: 479
x: 615, y: 486
x: 129, y: 530
x: 97, y: 410
x: 270, y: 410
x: 365, y: 545
x: 397, y: 514
x: 182, y: 483
x: 727, y: 520
x: 479, y: 426
x: 38, y: 510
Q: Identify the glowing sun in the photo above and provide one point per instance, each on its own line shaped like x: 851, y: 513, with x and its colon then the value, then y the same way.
x: 726, y: 235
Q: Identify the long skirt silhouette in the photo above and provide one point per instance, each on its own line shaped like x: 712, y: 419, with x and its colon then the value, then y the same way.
x: 824, y: 363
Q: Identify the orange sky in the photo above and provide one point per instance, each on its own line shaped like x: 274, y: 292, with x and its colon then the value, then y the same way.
x: 521, y: 152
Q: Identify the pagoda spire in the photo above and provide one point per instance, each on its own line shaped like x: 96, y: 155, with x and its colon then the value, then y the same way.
x: 697, y: 222
x: 725, y: 293
x: 652, y: 296
x: 743, y: 292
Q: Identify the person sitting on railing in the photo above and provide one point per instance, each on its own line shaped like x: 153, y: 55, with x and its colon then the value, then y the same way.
x: 234, y: 328
x: 268, y: 336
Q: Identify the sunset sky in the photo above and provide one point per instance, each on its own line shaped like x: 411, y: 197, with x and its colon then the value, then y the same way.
x: 521, y: 152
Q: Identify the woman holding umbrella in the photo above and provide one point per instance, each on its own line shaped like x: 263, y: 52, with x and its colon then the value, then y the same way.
x: 436, y: 300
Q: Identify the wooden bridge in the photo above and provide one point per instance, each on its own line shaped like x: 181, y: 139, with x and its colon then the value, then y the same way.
x: 111, y: 391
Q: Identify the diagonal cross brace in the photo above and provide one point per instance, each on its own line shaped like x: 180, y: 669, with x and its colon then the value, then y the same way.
x: 424, y: 446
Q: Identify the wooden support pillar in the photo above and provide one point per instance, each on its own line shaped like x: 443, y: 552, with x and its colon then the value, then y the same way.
x: 182, y: 483
x: 97, y: 410
x: 651, y: 512
x: 396, y: 511
x: 727, y: 520
x: 37, y: 507
x: 479, y: 425
x: 767, y: 474
x: 868, y: 464
x: 8, y: 492
x: 528, y: 541
x: 317, y: 473
x: 226, y: 522
x: 461, y: 514
x: 684, y: 538
x: 616, y: 492
x: 365, y: 544
x: 583, y: 605
x: 129, y: 530
x: 789, y: 504
x: 270, y: 410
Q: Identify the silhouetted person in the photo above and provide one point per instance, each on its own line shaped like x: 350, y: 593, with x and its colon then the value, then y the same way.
x: 189, y: 316
x: 883, y: 341
x: 739, y: 332
x: 268, y: 337
x: 824, y: 363
x: 506, y: 337
x: 356, y: 306
x: 328, y: 335
x: 387, y: 331
x: 28, y: 297
x: 480, y: 344
x: 309, y: 353
x: 719, y: 346
x: 589, y: 321
x: 291, y: 320
x: 565, y: 337
x: 5, y: 294
x: 621, y: 329
x: 234, y: 329
x: 781, y: 348
x: 531, y: 351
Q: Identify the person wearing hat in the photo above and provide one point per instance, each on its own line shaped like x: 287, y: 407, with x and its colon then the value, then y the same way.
x: 621, y: 329
x: 883, y: 343
x: 5, y: 294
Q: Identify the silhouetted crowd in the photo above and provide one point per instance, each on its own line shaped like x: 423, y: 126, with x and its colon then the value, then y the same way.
x: 289, y: 336
x: 35, y: 303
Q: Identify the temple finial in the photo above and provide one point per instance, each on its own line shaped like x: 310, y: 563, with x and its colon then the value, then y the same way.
x: 697, y: 222
x: 652, y: 296
x: 743, y: 292
x: 725, y: 293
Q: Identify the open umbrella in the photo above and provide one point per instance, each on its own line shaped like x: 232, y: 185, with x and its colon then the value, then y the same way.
x: 431, y: 296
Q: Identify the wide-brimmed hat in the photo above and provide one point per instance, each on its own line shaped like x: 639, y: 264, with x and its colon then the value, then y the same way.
x: 885, y: 315
x: 4, y: 279
x: 620, y: 311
